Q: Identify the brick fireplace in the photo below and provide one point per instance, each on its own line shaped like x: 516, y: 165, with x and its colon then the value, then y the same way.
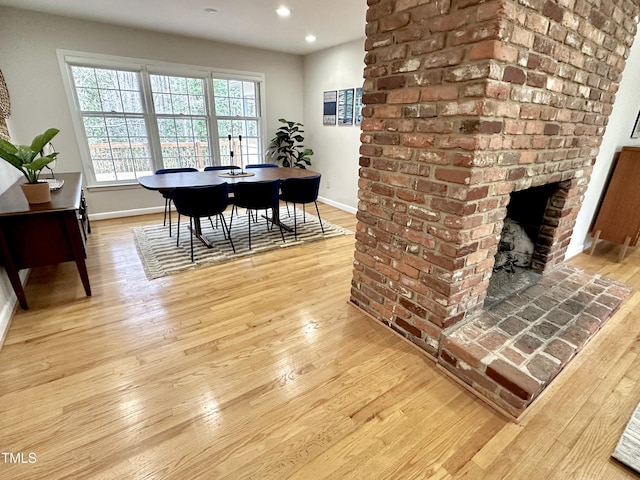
x: 466, y: 104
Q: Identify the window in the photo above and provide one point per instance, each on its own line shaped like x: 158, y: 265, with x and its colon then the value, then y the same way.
x: 110, y: 102
x: 181, y: 117
x: 134, y: 118
x: 236, y: 104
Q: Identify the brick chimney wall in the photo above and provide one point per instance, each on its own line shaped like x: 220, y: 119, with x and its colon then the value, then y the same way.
x: 466, y: 102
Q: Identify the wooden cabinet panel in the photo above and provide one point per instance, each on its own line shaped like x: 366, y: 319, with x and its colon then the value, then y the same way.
x: 618, y: 219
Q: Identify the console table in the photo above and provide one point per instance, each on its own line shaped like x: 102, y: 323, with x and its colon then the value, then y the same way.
x: 43, y: 234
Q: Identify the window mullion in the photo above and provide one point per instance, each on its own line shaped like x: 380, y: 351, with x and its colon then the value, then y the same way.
x: 212, y: 121
x: 151, y: 120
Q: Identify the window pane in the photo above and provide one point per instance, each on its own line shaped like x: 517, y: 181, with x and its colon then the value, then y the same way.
x: 222, y: 107
x: 182, y: 121
x: 114, y: 154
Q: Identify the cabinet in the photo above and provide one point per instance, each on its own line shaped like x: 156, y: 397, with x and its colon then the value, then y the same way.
x: 43, y: 234
x: 618, y: 219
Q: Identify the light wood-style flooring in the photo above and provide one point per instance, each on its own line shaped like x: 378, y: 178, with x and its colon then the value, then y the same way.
x: 260, y: 369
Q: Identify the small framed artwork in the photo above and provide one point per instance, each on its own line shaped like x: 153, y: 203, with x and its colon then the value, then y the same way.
x: 358, y: 107
x: 636, y: 128
x: 345, y: 107
x: 329, y: 107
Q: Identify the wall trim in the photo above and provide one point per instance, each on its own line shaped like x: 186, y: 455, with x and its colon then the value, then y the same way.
x: 338, y: 205
x: 7, y: 310
x: 149, y: 210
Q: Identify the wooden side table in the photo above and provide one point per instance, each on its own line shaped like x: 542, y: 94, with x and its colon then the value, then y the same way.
x: 44, y: 234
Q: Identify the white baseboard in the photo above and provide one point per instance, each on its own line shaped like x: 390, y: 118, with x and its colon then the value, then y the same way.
x: 146, y: 211
x: 125, y: 213
x: 6, y: 312
x: 341, y: 206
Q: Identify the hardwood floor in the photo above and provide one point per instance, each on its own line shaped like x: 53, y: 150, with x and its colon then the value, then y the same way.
x: 260, y: 369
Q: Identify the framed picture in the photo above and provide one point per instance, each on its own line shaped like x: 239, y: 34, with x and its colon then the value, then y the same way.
x: 345, y: 107
x: 358, y: 107
x: 329, y: 107
x: 636, y: 128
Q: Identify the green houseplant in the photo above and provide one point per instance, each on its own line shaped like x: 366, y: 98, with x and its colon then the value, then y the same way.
x: 30, y: 160
x: 287, y: 146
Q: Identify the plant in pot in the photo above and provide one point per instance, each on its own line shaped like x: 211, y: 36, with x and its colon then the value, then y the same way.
x: 287, y: 146
x: 30, y: 160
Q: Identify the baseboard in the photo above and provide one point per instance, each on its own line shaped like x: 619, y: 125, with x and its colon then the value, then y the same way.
x: 149, y: 210
x: 6, y: 312
x: 338, y: 205
x: 125, y: 213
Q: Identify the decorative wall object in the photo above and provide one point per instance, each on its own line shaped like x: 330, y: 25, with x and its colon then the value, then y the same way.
x: 345, y: 107
x: 358, y: 107
x: 5, y: 103
x: 330, y: 107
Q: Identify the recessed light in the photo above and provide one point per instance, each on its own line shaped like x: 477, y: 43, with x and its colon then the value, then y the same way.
x: 283, y: 11
x: 310, y: 38
x: 210, y: 10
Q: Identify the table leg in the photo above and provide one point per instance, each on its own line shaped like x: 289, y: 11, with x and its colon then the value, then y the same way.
x: 12, y: 272
x: 197, y: 232
x: 276, y: 219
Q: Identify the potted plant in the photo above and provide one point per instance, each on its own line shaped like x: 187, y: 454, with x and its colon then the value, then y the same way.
x: 30, y: 160
x: 287, y: 146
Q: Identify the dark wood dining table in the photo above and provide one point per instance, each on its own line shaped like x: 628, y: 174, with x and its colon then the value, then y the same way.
x: 170, y: 181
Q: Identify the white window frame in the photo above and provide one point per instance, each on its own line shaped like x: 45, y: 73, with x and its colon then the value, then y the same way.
x: 68, y: 58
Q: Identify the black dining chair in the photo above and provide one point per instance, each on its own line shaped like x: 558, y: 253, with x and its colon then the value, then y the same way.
x: 221, y: 167
x: 255, y: 196
x: 202, y: 202
x: 301, y: 190
x: 166, y: 193
x: 262, y: 165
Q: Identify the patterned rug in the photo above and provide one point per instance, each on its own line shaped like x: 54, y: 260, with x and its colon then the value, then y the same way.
x: 160, y: 256
x: 628, y: 449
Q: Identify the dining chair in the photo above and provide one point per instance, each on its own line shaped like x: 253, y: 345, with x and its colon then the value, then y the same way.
x: 262, y: 165
x: 255, y: 196
x: 228, y: 168
x: 221, y: 167
x: 301, y: 190
x: 166, y: 193
x: 202, y: 202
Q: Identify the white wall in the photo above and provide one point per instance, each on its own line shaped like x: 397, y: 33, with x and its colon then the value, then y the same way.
x: 28, y: 59
x: 617, y: 135
x: 336, y: 148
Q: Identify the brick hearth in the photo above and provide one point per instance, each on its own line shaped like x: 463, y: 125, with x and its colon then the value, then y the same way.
x: 467, y: 102
x: 511, y: 352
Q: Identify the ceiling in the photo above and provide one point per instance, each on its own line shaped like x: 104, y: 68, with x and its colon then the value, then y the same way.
x: 251, y: 23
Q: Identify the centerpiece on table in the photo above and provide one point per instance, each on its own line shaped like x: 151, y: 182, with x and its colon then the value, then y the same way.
x: 30, y: 160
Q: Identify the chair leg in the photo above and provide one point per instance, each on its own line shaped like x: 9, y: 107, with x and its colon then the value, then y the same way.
x: 273, y: 214
x: 249, y: 222
x: 320, y: 219
x: 166, y: 207
x: 178, y: 234
x: 228, y: 234
x: 304, y: 214
x: 287, y: 204
x: 191, y: 236
x: 169, y: 210
x: 295, y: 224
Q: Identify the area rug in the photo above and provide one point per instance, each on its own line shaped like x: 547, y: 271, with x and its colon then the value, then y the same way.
x: 161, y: 257
x: 628, y: 449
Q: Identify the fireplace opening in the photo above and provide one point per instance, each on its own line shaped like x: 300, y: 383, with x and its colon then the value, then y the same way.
x: 520, y: 259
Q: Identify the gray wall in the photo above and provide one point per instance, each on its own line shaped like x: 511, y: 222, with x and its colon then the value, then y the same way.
x: 336, y: 148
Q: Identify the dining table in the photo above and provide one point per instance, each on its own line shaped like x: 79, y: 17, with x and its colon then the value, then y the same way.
x: 170, y: 181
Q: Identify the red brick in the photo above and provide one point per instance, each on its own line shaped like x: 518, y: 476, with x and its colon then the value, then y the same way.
x: 520, y: 384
